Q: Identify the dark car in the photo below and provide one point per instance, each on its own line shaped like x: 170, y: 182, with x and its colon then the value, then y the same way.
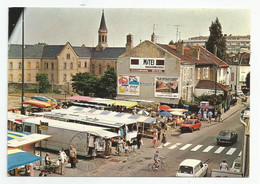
x: 226, y: 137
x: 190, y: 125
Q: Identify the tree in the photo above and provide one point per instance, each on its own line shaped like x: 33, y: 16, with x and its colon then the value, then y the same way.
x: 248, y: 80
x: 43, y: 82
x: 171, y: 42
x: 85, y: 83
x: 107, y: 86
x: 216, y: 38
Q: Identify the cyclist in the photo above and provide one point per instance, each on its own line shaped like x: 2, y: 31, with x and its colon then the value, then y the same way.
x: 156, y: 158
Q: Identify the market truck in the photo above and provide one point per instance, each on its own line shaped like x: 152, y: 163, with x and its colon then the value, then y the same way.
x: 65, y: 134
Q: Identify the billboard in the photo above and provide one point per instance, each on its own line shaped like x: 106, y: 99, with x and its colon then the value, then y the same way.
x: 147, y: 64
x: 166, y: 87
x: 128, y: 85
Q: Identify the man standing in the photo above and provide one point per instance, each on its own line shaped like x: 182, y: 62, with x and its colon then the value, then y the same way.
x: 139, y: 138
x: 62, y: 161
x: 73, y: 156
x: 210, y: 116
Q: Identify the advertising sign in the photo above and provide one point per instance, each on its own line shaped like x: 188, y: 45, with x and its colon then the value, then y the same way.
x: 128, y: 85
x: 147, y: 64
x: 166, y: 87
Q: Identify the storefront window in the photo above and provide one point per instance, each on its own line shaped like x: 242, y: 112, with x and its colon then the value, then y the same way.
x: 134, y: 61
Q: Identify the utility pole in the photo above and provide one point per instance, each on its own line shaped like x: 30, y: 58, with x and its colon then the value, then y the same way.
x: 22, y: 108
x: 177, y: 31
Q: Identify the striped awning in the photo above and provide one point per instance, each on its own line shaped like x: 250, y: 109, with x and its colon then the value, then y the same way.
x: 17, y: 158
x: 37, y: 103
x: 14, y: 135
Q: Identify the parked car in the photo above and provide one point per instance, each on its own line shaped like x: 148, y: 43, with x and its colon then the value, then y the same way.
x: 192, y: 168
x: 226, y: 137
x: 236, y: 166
x: 190, y: 125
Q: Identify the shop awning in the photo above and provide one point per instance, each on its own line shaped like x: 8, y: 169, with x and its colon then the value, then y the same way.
x: 37, y: 103
x: 17, y: 158
x: 25, y: 140
x: 126, y: 104
x: 15, y: 135
x: 45, y: 99
x: 10, y: 108
x: 80, y: 98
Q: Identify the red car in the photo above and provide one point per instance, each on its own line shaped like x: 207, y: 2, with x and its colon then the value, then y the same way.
x: 190, y: 125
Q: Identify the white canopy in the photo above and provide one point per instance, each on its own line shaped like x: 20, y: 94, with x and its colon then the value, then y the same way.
x: 30, y: 139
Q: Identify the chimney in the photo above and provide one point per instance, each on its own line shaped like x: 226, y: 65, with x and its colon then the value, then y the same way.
x: 180, y: 47
x: 129, y: 43
x: 153, y: 38
x: 215, y: 49
x: 196, y: 52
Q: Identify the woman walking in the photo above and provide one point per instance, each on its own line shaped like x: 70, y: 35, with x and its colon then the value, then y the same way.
x: 163, y: 138
x: 154, y: 140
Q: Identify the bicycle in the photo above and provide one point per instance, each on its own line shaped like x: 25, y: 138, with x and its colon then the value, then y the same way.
x: 162, y: 164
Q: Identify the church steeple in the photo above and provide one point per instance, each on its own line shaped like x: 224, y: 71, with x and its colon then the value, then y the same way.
x: 102, y: 34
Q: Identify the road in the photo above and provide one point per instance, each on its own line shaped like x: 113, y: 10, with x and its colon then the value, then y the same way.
x: 200, y: 144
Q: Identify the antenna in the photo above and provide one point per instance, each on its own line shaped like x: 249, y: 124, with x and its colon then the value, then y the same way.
x: 177, y: 30
x: 158, y: 38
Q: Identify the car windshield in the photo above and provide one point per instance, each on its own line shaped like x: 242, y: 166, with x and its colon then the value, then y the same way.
x: 186, y: 170
x: 237, y: 165
x: 189, y: 122
x: 224, y: 133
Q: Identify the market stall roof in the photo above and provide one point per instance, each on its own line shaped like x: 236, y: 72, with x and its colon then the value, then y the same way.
x: 176, y: 113
x: 179, y: 110
x: 80, y: 98
x: 16, y: 117
x: 37, y: 103
x: 15, y: 135
x: 93, y: 130
x: 10, y: 108
x: 17, y: 158
x: 26, y: 140
x: 45, y: 99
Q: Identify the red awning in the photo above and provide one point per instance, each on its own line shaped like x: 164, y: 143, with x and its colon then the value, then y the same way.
x: 37, y: 103
x: 12, y: 108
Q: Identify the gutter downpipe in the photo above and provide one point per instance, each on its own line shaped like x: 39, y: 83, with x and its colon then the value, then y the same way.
x: 244, y: 147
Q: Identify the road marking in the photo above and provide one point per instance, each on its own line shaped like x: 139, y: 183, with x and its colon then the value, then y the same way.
x: 196, y: 147
x: 219, y: 150
x: 231, y: 151
x: 240, y: 154
x: 208, y: 149
x: 185, y: 147
x: 166, y: 144
x: 174, y: 146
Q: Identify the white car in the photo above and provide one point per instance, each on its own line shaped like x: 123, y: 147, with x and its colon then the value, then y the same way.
x: 192, y: 168
x: 236, y: 166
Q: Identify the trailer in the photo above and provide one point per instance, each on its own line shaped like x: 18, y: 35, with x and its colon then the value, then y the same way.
x: 229, y: 174
x: 82, y: 137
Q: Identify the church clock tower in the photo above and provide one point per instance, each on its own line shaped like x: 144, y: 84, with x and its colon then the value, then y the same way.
x: 102, y: 34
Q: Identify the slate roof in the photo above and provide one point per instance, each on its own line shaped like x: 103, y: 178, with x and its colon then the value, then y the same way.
x: 108, y: 53
x: 51, y: 51
x: 207, y: 84
x: 83, y: 52
x: 30, y: 51
x: 103, y: 22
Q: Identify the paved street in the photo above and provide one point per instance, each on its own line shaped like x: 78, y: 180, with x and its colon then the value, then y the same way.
x: 198, y: 145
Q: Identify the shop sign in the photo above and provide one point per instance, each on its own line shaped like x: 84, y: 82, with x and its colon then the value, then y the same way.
x: 166, y: 87
x: 147, y: 64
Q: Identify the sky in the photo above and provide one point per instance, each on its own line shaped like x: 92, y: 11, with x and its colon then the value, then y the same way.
x: 57, y: 26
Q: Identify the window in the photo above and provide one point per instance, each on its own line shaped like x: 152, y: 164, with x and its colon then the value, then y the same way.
x: 11, y: 65
x: 28, y: 65
x: 27, y: 128
x: 64, y: 78
x: 207, y: 72
x: 37, y: 65
x: 20, y: 77
x: 85, y: 64
x: 52, y: 66
x: 103, y: 38
x: 159, y: 62
x: 198, y: 73
x: 71, y: 65
x: 79, y: 65
x: 46, y: 65
x: 10, y: 78
x: 68, y: 56
x: 99, y: 38
x: 65, y: 66
x: 20, y: 65
x: 28, y: 77
x: 99, y: 69
x: 134, y: 61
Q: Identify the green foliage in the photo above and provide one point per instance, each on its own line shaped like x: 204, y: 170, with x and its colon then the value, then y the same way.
x: 210, y: 99
x: 107, y: 87
x: 216, y: 38
x: 43, y: 81
x: 248, y: 80
x: 171, y: 42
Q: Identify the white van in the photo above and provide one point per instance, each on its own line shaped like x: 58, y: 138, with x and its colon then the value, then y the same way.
x: 192, y: 168
x: 236, y: 166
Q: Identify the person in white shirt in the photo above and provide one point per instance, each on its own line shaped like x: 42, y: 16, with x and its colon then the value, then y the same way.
x: 223, y: 165
x: 61, y: 163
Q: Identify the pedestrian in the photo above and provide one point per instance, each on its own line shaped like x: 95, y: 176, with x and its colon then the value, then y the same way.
x: 94, y: 153
x: 61, y: 159
x: 42, y: 173
x: 205, y: 115
x: 210, y: 116
x: 73, y: 156
x: 154, y: 141
x: 163, y: 138
x: 163, y: 124
x: 219, y: 115
x: 126, y: 148
x: 64, y: 154
x: 199, y: 115
x: 159, y: 133
x: 139, y: 139
x: 120, y: 146
x: 48, y: 162
x: 223, y: 165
